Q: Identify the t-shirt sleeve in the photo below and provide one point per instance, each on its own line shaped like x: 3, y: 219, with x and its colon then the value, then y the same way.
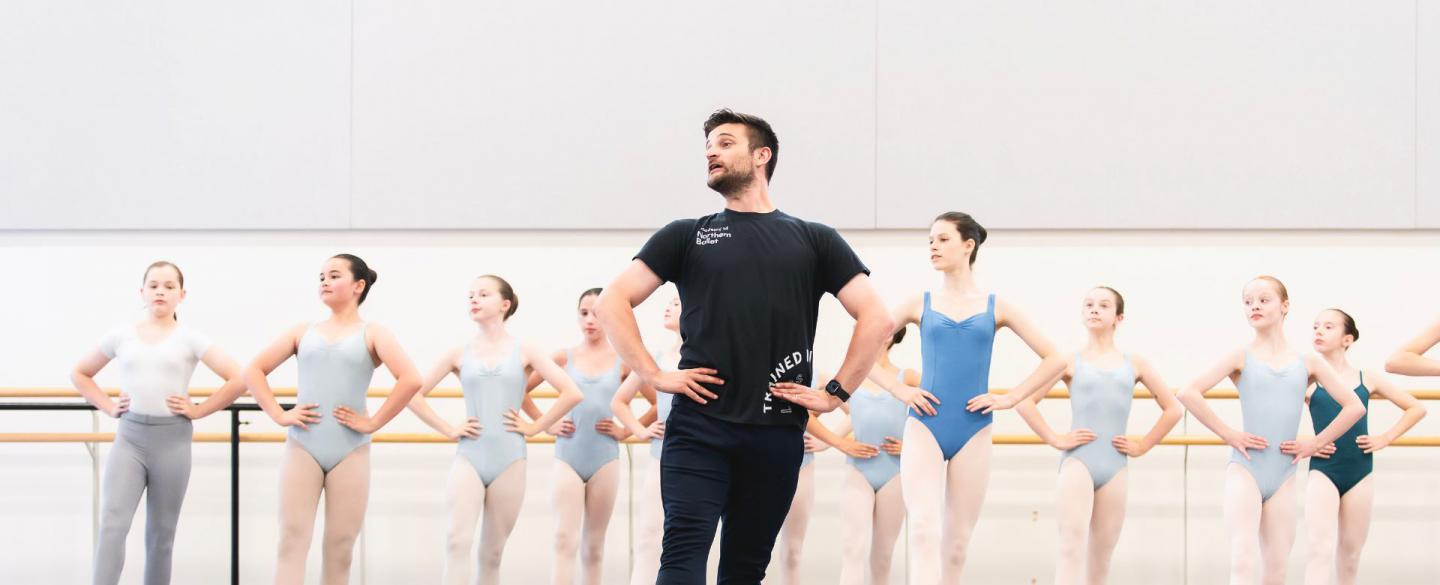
x: 197, y: 342
x: 664, y: 253
x: 110, y: 344
x: 838, y: 262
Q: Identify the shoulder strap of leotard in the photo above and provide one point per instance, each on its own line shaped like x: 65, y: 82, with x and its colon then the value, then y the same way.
x: 927, y: 301
x: 990, y: 305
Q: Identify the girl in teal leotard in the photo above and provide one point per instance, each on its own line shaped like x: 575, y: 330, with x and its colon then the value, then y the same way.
x: 1339, y: 493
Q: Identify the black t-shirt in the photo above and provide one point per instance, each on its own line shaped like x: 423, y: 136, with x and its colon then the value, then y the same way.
x: 750, y: 287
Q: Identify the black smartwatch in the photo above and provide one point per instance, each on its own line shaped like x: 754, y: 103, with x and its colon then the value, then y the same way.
x: 838, y: 391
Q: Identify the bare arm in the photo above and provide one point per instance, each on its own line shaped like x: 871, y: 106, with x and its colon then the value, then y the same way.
x: 229, y: 370
x: 620, y: 405
x: 1193, y: 398
x: 420, y: 405
x: 1170, y: 410
x: 616, y: 311
x: 1410, y: 360
x: 83, y: 377
x: 1051, y: 362
x: 407, y: 382
x: 920, y: 401
x: 837, y: 438
x: 1028, y: 411
x: 270, y: 358
x: 570, y: 394
x: 1414, y: 411
x: 562, y: 428
x: 1350, y: 408
x: 902, y: 315
x: 873, y: 325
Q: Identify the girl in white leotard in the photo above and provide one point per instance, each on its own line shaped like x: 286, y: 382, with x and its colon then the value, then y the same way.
x: 152, y: 448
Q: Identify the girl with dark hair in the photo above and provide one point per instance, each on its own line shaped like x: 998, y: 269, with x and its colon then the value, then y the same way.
x: 587, y: 469
x: 156, y: 359
x: 327, y: 450
x: 1259, y: 482
x: 1090, y: 507
x: 488, y: 473
x: 946, y: 465
x: 1339, y: 493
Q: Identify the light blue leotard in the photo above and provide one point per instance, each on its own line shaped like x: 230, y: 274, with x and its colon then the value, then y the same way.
x: 874, y: 416
x: 1100, y: 401
x: 332, y: 374
x: 1270, y: 404
x: 588, y: 450
x: 489, y: 393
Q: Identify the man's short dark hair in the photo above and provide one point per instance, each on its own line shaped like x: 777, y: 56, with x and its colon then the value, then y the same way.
x: 759, y: 130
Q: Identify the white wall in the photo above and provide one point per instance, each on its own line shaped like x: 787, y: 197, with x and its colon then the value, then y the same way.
x: 65, y: 289
x: 379, y: 114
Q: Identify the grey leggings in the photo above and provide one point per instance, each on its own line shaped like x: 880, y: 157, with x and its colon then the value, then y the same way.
x: 152, y: 455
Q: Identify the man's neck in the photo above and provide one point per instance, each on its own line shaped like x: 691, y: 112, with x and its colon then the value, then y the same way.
x: 753, y: 199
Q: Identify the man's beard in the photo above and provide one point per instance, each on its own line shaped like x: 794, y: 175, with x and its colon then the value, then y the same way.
x: 729, y: 183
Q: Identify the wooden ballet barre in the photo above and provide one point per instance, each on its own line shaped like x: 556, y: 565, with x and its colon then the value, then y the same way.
x: 428, y: 438
x: 548, y: 392
x: 420, y: 438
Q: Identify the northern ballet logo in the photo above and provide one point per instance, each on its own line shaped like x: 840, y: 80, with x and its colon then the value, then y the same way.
x: 792, y: 361
x: 706, y: 236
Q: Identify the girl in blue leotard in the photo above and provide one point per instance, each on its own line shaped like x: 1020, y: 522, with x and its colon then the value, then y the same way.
x: 946, y: 461
x: 488, y: 472
x: 327, y: 450
x: 587, y: 470
x: 1259, y: 482
x: 1338, y: 492
x: 1090, y: 507
x: 874, y: 510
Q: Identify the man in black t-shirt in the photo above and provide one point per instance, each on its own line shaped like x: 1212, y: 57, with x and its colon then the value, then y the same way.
x: 750, y: 280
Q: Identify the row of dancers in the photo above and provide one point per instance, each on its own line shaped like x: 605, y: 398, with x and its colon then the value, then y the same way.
x: 940, y: 482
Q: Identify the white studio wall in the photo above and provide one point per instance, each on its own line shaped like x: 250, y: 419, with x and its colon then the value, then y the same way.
x: 560, y: 115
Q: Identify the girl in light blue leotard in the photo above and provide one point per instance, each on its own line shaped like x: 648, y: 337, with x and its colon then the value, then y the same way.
x: 874, y: 509
x: 1090, y: 507
x: 1271, y: 379
x: 488, y: 473
x: 328, y: 444
x: 587, y: 468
